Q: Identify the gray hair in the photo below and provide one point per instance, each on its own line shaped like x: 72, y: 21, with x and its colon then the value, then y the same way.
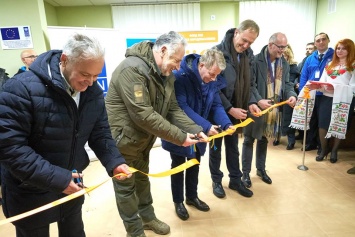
x: 81, y: 47
x: 213, y: 56
x: 249, y: 25
x: 171, y: 41
x: 275, y: 36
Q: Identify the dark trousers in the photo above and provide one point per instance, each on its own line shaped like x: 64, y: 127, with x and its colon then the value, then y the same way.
x: 70, y: 225
x: 191, y: 179
x: 260, y: 156
x: 312, y: 138
x: 232, y: 158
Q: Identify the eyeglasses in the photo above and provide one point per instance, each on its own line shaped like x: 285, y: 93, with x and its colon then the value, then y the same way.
x: 32, y: 56
x: 280, y: 46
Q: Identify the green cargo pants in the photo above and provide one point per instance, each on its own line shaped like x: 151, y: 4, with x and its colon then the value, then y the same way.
x: 134, y: 200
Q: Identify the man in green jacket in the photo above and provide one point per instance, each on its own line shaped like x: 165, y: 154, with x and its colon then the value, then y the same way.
x: 142, y: 106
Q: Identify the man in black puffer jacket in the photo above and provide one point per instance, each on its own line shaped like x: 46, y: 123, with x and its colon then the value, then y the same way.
x: 3, y: 79
x: 47, y: 115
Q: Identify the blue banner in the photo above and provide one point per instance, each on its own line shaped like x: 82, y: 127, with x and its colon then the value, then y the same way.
x: 10, y: 33
x: 131, y: 42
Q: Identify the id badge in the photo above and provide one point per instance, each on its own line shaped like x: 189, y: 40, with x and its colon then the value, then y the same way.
x: 317, y: 74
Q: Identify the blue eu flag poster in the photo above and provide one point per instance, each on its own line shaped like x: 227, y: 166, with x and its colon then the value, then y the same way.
x: 10, y: 33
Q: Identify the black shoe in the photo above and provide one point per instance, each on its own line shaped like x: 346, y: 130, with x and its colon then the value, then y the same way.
x: 322, y: 156
x: 333, y: 157
x: 199, y: 204
x: 240, y: 188
x: 351, y: 171
x: 310, y: 147
x: 218, y: 190
x: 264, y: 176
x: 246, y: 180
x: 290, y: 146
x: 275, y: 142
x: 181, y: 211
x: 319, y: 150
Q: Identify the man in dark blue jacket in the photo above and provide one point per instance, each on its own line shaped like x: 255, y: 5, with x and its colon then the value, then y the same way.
x: 47, y: 115
x: 3, y: 78
x: 197, y: 89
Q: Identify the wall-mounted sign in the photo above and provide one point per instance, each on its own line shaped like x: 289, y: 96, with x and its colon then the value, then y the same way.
x: 16, y: 37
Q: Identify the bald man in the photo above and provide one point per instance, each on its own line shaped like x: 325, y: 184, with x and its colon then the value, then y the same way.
x: 27, y: 57
x: 271, y: 74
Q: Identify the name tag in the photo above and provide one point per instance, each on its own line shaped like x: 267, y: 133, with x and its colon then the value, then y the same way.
x: 317, y: 74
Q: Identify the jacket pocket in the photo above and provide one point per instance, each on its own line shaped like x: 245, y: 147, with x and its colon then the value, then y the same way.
x: 132, y: 142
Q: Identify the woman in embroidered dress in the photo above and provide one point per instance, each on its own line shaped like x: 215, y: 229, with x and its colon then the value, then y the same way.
x: 337, y: 104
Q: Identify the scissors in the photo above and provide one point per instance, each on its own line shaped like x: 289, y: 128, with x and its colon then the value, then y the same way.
x: 219, y: 129
x: 79, y: 180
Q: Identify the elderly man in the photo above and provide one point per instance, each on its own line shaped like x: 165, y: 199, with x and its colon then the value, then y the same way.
x: 48, y: 114
x: 142, y: 106
x: 271, y: 72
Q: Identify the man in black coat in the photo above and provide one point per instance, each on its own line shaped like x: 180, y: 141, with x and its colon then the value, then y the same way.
x: 3, y: 79
x: 237, y: 98
x: 47, y: 116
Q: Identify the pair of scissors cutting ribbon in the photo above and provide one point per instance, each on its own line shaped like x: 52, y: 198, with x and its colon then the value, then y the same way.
x: 85, y: 190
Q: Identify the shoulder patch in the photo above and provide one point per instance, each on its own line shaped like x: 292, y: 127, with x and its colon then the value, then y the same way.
x: 138, y: 93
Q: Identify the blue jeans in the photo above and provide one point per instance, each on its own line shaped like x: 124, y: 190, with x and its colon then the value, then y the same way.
x: 191, y: 179
x: 247, y: 156
x: 232, y: 159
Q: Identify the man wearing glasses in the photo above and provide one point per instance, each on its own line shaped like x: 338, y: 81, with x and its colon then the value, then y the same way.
x: 271, y: 74
x: 28, y: 56
x: 312, y: 70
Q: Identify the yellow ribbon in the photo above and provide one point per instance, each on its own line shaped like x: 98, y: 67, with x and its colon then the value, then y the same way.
x: 175, y: 170
x: 230, y: 131
x: 271, y: 107
x: 306, y: 95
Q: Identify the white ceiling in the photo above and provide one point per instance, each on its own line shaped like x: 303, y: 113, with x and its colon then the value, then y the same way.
x: 72, y: 3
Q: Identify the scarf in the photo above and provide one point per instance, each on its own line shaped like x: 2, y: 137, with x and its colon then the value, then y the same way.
x: 299, y: 111
x: 342, y: 98
x: 274, y: 85
x: 242, y: 82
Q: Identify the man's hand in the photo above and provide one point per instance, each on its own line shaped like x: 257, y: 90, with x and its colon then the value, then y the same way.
x: 215, y: 129
x: 238, y: 113
x: 265, y: 103
x: 122, y: 169
x: 254, y: 110
x: 192, y: 139
x: 73, y: 187
x: 292, y: 101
